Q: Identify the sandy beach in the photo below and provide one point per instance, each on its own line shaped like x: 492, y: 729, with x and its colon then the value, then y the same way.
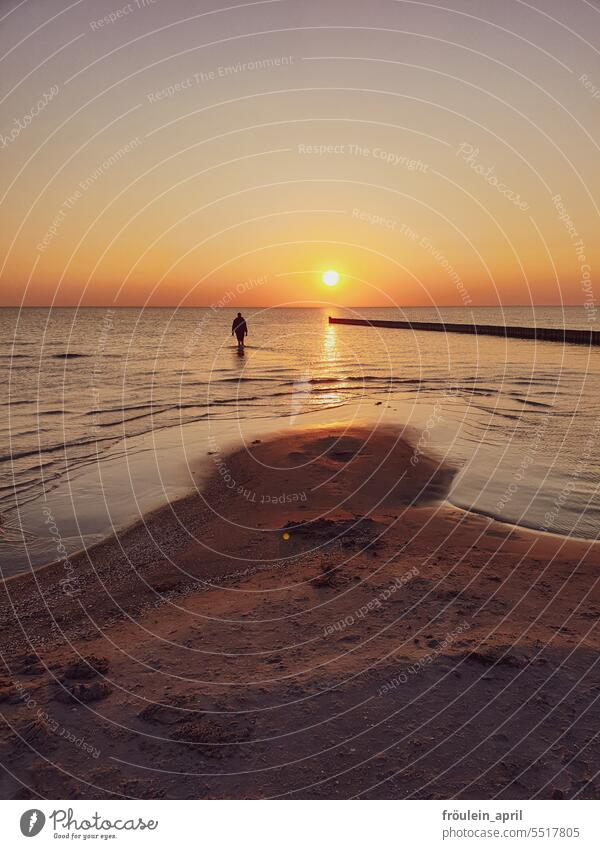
x: 317, y: 622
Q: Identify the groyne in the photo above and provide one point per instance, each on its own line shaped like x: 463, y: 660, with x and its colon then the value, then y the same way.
x: 545, y: 334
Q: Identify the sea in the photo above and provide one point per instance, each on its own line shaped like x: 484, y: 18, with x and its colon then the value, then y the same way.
x: 108, y: 413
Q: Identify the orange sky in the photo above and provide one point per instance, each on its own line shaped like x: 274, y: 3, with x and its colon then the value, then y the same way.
x: 169, y: 153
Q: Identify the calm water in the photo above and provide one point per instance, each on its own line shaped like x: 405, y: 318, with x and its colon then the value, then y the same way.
x: 105, y: 411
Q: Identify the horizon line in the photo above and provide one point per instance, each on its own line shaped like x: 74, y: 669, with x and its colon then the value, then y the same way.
x: 266, y: 307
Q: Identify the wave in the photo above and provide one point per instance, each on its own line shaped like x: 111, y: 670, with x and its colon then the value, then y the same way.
x: 98, y: 412
x: 51, y: 449
x: 245, y: 379
x: 530, y: 403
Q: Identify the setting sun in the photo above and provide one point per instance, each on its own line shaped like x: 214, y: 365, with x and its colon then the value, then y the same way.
x: 330, y: 278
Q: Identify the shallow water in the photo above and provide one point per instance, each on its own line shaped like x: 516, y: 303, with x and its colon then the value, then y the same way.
x: 107, y: 413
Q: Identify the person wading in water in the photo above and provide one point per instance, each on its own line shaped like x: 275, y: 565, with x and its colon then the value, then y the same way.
x: 240, y: 328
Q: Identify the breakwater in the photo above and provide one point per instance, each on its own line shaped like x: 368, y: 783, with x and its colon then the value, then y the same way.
x: 545, y: 334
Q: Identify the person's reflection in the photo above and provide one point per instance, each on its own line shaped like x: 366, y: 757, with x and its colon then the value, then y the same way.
x: 240, y: 351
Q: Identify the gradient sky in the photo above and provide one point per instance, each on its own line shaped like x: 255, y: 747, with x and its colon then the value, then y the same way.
x: 217, y: 186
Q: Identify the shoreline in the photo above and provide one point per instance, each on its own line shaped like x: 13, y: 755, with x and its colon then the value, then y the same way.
x: 181, y: 489
x: 516, y: 526
x: 139, y: 522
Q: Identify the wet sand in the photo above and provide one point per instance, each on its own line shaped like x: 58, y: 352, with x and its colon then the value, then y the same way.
x: 316, y: 623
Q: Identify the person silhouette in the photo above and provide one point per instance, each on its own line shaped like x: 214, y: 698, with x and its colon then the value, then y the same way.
x: 240, y: 328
